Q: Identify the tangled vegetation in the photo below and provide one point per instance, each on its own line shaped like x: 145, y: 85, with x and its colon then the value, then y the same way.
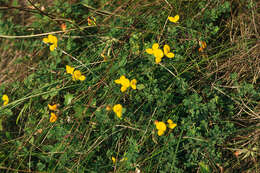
x: 130, y: 86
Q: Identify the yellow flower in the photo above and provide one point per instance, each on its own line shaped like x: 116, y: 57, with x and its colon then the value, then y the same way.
x: 52, y: 40
x: 154, y: 47
x: 161, y: 127
x: 5, y: 99
x: 171, y: 124
x: 167, y: 52
x: 124, y: 82
x: 113, y: 159
x: 53, y: 107
x: 133, y: 83
x: 174, y: 19
x: 158, y: 53
x: 53, y: 117
x: 69, y: 69
x: 158, y: 60
x: 160, y: 132
x: 78, y: 76
x: 118, y: 110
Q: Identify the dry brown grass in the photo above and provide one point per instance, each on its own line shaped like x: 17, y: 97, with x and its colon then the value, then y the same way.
x: 244, y: 29
x: 244, y: 60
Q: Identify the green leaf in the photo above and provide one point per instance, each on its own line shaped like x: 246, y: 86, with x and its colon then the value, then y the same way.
x: 78, y: 110
x: 204, y: 168
x: 68, y: 98
x: 40, y: 166
x: 123, y: 62
x: 140, y: 86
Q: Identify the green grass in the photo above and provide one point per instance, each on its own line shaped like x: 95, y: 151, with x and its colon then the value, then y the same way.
x: 213, y: 96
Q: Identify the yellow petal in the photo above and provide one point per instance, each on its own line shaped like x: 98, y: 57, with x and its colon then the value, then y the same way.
x: 53, y: 117
x: 113, y: 159
x: 122, y: 77
x: 172, y: 125
x: 55, y: 41
x: 69, y: 69
x: 53, y: 107
x: 125, y: 82
x: 5, y: 98
x: 119, y: 114
x: 52, y: 47
x: 170, y: 55
x: 77, y: 74
x: 158, y: 53
x: 174, y: 19
x: 118, y: 81
x: 161, y: 126
x: 158, y: 60
x: 133, y: 83
x: 118, y: 110
x: 45, y: 40
x: 149, y: 51
x: 52, y: 39
x: 73, y: 78
x: 160, y: 132
x: 82, y: 77
x: 123, y: 89
x: 169, y: 121
x: 55, y: 45
x: 155, y: 46
x: 166, y: 49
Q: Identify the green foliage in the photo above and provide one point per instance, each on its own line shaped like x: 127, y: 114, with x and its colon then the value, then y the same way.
x: 86, y: 135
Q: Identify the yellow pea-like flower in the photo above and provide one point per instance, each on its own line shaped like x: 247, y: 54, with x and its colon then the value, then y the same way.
x: 133, y: 83
x: 167, y: 52
x: 5, y: 98
x: 53, y: 117
x: 69, y: 69
x: 53, y: 107
x: 171, y: 124
x: 118, y: 108
x: 158, y: 53
x: 174, y: 19
x: 113, y: 159
x: 52, y: 40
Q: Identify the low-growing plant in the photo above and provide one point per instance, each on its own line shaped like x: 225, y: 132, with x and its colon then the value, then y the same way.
x: 121, y: 86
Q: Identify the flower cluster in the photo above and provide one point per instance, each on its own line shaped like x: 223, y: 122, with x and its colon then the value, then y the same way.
x: 76, y: 74
x: 126, y: 83
x: 52, y: 40
x: 53, y: 117
x: 161, y: 126
x: 158, y: 53
x: 203, y: 46
x: 5, y: 99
